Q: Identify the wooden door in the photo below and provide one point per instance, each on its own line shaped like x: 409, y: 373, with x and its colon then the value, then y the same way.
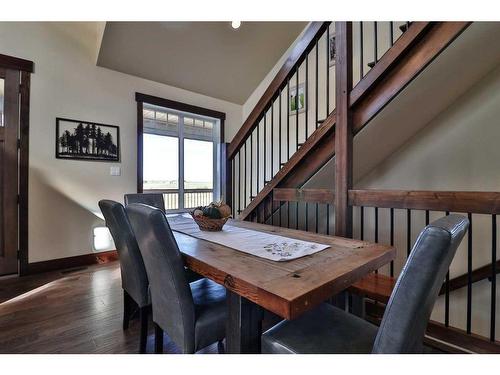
x: 9, y: 125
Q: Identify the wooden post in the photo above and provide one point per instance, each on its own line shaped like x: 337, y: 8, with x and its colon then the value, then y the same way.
x: 343, y: 129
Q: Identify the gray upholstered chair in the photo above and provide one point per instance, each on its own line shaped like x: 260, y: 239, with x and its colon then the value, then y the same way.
x: 330, y: 330
x: 134, y: 278
x: 151, y: 199
x: 193, y: 315
x: 156, y: 200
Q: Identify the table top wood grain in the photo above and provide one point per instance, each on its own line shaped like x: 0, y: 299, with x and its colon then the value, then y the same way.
x: 287, y: 288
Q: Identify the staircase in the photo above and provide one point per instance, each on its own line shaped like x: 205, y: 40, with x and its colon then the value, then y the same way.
x: 278, y: 147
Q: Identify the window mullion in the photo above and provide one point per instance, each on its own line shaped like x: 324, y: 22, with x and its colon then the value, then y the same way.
x: 181, y: 162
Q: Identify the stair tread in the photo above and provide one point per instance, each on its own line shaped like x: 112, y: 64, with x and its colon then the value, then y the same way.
x: 375, y: 286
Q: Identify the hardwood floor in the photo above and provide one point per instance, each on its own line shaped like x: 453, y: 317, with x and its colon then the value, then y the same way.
x: 70, y: 312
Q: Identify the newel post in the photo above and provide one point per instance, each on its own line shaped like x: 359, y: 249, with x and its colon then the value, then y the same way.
x: 343, y: 129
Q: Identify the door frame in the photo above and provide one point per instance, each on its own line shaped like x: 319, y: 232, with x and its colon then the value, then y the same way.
x: 25, y: 68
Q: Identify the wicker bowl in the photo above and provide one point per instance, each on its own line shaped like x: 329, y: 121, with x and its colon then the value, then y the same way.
x: 208, y: 224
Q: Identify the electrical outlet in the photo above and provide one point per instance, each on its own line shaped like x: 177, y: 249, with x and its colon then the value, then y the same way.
x: 115, y: 171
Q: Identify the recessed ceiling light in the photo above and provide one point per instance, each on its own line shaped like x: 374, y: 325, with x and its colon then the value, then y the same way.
x: 236, y: 24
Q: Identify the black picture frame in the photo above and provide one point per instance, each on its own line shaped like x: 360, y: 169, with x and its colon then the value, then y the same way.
x: 88, y: 148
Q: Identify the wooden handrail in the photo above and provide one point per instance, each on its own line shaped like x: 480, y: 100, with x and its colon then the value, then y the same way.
x: 412, y: 62
x: 391, y: 57
x: 479, y: 274
x: 324, y: 196
x: 477, y: 202
x: 298, y: 53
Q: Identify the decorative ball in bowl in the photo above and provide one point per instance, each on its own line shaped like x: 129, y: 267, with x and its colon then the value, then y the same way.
x: 212, y: 218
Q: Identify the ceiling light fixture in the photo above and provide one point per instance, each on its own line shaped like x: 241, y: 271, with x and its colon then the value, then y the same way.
x: 236, y: 24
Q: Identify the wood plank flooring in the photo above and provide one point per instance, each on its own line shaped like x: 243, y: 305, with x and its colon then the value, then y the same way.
x: 70, y: 312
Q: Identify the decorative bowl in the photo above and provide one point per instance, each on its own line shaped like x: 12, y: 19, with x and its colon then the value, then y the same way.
x: 208, y: 224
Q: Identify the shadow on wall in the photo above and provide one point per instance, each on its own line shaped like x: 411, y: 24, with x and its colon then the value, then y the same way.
x: 59, y: 226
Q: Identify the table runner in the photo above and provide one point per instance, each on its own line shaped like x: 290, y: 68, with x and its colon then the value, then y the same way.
x: 260, y: 244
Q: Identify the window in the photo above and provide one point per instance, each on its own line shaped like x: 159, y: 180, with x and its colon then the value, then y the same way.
x: 180, y: 156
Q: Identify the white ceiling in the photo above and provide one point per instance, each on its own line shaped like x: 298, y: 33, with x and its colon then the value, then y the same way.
x: 210, y: 58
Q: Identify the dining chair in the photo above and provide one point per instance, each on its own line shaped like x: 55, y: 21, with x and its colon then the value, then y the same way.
x: 156, y: 200
x: 328, y: 329
x: 151, y: 199
x: 193, y: 315
x: 133, y: 272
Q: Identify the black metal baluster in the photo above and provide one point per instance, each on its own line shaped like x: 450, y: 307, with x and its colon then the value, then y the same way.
x: 272, y: 141
x: 361, y: 62
x: 288, y: 214
x: 306, y: 90
x: 447, y: 295
x: 239, y: 181
x: 297, y: 101
x: 375, y: 42
x: 281, y: 206
x: 327, y: 71
x: 391, y: 33
x: 362, y: 224
x: 493, y: 275
x: 234, y: 187
x: 392, y: 240
x: 408, y: 231
x: 316, y: 93
x: 469, y: 275
x: 447, y: 300
x: 251, y: 166
x: 264, y: 149
x: 279, y: 134
x: 297, y: 215
x: 288, y: 120
x: 328, y: 218
x: 258, y: 158
x: 245, y: 180
x: 426, y: 217
x: 317, y: 214
x: 272, y: 207
x: 376, y: 228
x: 307, y: 216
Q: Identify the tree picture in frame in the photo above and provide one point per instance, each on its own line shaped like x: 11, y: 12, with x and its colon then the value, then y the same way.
x: 84, y: 140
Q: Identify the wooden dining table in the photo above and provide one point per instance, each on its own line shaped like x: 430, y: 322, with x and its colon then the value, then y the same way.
x: 287, y: 288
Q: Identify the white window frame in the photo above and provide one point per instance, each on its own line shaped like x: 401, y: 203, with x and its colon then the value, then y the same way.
x: 179, y: 134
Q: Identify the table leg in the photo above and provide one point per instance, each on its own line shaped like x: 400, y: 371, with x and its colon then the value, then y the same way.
x: 244, y: 325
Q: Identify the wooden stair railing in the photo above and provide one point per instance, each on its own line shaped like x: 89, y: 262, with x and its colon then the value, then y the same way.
x: 408, y: 57
x: 298, y: 53
x: 378, y: 287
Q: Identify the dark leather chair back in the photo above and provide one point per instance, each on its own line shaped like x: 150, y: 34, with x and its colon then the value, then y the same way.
x: 134, y: 277
x: 151, y: 199
x: 173, y: 305
x: 405, y: 319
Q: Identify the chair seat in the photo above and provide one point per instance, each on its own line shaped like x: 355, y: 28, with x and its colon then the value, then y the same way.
x: 210, y: 312
x: 324, y: 330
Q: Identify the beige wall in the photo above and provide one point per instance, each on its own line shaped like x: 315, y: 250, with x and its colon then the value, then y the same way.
x: 63, y: 194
